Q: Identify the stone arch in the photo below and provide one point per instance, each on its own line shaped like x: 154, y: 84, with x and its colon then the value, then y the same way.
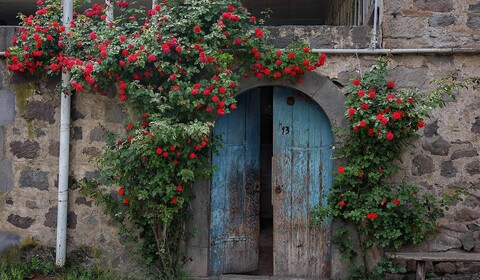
x: 318, y: 87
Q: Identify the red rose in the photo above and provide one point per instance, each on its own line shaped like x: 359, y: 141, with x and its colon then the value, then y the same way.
x: 258, y: 33
x: 341, y: 169
x: 362, y: 124
x: 126, y: 200
x: 421, y: 124
x: 92, y: 35
x: 396, y: 201
x: 390, y: 85
x: 361, y: 93
x: 364, y: 106
x: 197, y: 29
x: 192, y: 155
x: 371, y: 93
x: 321, y: 61
x: 341, y: 203
x: 291, y: 55
x: 179, y: 188
x: 121, y: 191
x: 306, y: 50
x: 174, y: 200
x: 159, y: 151
x: 352, y: 111
x: 390, y: 136
x: 215, y: 99
x: 356, y: 82
x: 396, y: 115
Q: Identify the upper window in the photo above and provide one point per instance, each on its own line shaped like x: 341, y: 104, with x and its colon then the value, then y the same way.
x: 280, y: 12
x: 312, y: 12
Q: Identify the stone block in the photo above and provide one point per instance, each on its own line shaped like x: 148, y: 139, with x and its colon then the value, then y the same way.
x: 77, y: 133
x: 435, y: 6
x: 467, y: 241
x: 98, y: 135
x: 198, y: 266
x: 81, y: 200
x: 28, y: 149
x: 40, y: 132
x: 7, y: 107
x: 439, y: 147
x: 431, y: 129
x: 422, y: 164
x: 6, y: 176
x: 6, y: 34
x: 41, y: 111
x: 114, y: 113
x: 34, y: 179
x: 445, y: 267
x: 443, y: 243
x: 51, y: 218
x: 200, y: 215
x: 20, y: 222
x: 54, y: 148
x: 8, y: 240
x: 464, y: 154
x: 441, y: 20
x: 466, y: 214
x: 473, y: 20
x: 473, y: 168
x: 476, y: 126
x: 75, y: 114
x: 448, y: 169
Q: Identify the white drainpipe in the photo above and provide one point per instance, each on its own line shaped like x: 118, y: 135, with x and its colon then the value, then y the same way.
x: 64, y: 155
x: 373, y: 43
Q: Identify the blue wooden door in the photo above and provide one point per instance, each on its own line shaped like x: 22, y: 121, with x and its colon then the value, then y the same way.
x: 234, y: 229
x: 301, y: 169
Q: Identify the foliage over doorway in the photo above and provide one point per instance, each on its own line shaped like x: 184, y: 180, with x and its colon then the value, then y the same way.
x: 177, y: 66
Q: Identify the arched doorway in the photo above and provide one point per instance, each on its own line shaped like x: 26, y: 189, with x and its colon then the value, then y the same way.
x: 277, y: 150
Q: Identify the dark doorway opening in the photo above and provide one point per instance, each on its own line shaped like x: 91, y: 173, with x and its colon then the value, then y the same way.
x: 265, y: 247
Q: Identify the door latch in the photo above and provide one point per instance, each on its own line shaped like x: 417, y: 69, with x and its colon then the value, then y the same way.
x: 278, y: 189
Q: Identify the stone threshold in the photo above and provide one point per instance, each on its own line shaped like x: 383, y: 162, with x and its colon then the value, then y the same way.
x: 254, y: 277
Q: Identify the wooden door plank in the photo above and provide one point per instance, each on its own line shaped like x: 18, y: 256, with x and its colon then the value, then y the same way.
x: 300, y: 177
x: 303, y: 161
x: 281, y: 181
x: 234, y: 228
x: 252, y: 181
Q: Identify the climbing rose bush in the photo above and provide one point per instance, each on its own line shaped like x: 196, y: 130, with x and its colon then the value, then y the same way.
x: 382, y: 120
x: 177, y: 66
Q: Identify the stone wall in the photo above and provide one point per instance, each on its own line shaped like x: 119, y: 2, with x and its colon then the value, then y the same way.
x: 29, y: 150
x: 445, y: 157
x: 431, y: 24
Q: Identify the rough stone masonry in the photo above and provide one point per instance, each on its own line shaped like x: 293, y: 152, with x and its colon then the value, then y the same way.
x: 446, y: 157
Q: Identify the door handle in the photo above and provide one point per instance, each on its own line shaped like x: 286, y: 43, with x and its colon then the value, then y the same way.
x: 278, y: 189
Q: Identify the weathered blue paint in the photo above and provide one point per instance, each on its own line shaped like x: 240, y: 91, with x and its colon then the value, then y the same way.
x: 301, y: 175
x: 234, y: 220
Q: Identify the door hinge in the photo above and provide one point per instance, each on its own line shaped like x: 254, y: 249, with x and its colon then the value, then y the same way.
x: 229, y: 239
